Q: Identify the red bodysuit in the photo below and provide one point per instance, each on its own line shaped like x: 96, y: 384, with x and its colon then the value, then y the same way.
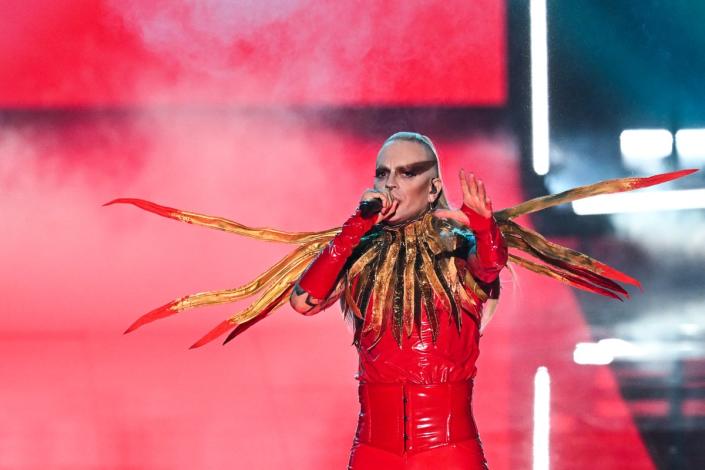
x: 415, y: 396
x: 416, y: 399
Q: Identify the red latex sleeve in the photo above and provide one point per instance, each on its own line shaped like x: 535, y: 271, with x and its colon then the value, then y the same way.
x: 320, y: 277
x: 491, y: 249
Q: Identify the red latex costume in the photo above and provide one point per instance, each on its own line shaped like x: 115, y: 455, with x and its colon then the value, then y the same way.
x: 415, y: 398
x: 415, y: 395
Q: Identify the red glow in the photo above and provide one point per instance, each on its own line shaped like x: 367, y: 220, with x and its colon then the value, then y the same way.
x: 75, y: 274
x: 137, y: 52
x: 77, y: 393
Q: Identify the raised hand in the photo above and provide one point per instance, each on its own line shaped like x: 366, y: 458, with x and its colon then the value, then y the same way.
x: 474, y: 197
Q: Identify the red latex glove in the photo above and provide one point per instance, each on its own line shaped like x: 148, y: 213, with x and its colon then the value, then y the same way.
x: 491, y: 250
x: 320, y: 277
x: 476, y: 212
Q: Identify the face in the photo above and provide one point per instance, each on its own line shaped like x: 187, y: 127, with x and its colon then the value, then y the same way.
x: 405, y: 171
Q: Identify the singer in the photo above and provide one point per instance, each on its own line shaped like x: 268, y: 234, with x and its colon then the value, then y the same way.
x: 417, y: 349
x: 419, y: 282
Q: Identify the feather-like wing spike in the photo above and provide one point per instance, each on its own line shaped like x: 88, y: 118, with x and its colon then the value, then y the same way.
x: 283, y: 283
x: 636, y: 183
x: 274, y: 274
x: 603, y: 187
x: 164, y: 211
x: 518, y: 235
x: 562, y: 276
x: 164, y: 311
x: 241, y: 328
x: 219, y: 330
x: 220, y: 223
x: 574, y: 268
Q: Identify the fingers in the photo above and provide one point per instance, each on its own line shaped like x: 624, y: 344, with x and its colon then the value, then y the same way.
x: 474, y: 191
x: 372, y: 194
x: 484, y: 198
x: 392, y: 208
x: 388, y: 211
x: 384, y: 197
x: 387, y: 203
x: 482, y: 194
x: 469, y: 184
x: 464, y: 184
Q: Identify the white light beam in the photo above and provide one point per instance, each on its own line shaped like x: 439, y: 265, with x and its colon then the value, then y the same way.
x: 542, y: 418
x: 539, y: 87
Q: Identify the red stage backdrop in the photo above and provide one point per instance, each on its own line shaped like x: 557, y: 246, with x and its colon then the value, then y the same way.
x: 140, y: 52
x: 78, y: 394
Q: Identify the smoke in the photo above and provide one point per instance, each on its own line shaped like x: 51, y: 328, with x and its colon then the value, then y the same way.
x: 190, y: 26
x: 204, y: 122
x: 246, y: 53
x: 272, y: 169
x: 191, y: 105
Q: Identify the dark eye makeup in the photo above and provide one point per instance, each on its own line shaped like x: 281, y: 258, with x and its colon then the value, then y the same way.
x: 408, y: 171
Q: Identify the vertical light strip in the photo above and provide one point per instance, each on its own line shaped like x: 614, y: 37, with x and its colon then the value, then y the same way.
x: 542, y: 410
x: 539, y: 86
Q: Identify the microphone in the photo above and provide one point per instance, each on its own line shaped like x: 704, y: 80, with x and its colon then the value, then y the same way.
x: 370, y: 207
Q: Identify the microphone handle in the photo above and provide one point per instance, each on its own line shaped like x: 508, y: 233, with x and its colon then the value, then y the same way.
x: 370, y: 207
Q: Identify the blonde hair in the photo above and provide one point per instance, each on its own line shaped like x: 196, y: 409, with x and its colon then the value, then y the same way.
x: 441, y: 202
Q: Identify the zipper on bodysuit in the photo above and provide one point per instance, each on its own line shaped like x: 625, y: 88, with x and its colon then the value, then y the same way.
x: 406, y: 417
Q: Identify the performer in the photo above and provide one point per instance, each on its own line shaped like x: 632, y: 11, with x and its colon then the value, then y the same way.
x: 419, y: 282
x: 415, y: 383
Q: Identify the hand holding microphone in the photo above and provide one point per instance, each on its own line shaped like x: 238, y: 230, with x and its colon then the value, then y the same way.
x: 321, y: 276
x: 374, y: 202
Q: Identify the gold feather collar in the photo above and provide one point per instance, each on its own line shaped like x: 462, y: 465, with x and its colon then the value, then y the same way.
x: 396, y: 269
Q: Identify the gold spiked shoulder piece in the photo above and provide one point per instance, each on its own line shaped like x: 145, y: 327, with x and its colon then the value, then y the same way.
x: 404, y: 266
x: 397, y: 269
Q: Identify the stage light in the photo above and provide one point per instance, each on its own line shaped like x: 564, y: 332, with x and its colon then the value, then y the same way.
x: 542, y: 418
x: 539, y: 87
x: 591, y: 354
x: 644, y: 146
x: 605, y: 351
x: 641, y: 202
x: 690, y: 144
x: 691, y: 329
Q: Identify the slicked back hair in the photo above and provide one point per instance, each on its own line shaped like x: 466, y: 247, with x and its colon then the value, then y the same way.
x: 441, y: 201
